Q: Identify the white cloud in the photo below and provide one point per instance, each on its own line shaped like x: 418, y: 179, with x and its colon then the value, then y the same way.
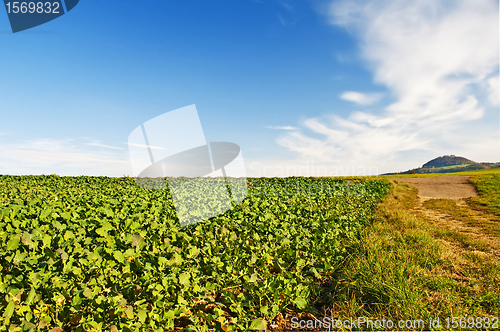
x: 281, y: 127
x: 105, y: 146
x: 493, y: 90
x: 436, y: 58
x: 146, y: 146
x: 62, y: 157
x: 361, y: 98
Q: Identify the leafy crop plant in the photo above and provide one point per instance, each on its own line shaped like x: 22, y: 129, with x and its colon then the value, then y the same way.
x: 98, y: 253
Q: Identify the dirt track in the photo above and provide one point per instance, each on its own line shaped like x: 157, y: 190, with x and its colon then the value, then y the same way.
x: 441, y: 186
x: 472, y: 224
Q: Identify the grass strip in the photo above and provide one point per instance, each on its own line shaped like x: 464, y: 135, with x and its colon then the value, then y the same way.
x: 488, y: 186
x: 406, y: 268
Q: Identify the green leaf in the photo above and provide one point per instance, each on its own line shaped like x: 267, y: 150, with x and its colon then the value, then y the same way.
x: 300, y: 302
x: 9, y: 310
x: 264, y: 310
x: 45, y: 213
x: 300, y: 264
x: 88, y: 293
x: 118, y: 255
x: 162, y: 260
x: 31, y: 296
x: 47, y: 239
x: 129, y: 312
x: 102, y: 231
x: 253, y: 278
x: 109, y: 212
x: 258, y: 324
x: 137, y: 240
x: 77, y: 270
x: 68, y: 235
x: 142, y: 314
x: 3, y: 287
x: 26, y: 239
x: 184, y: 278
x: 107, y: 226
x: 175, y: 260
x: 76, y: 301
x: 20, y: 256
x: 316, y: 274
x: 13, y: 243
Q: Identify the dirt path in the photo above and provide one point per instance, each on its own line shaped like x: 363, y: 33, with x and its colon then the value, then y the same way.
x: 473, y: 224
x: 441, y: 186
x: 463, y: 219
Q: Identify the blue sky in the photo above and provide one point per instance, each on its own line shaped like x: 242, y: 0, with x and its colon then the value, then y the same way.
x: 304, y: 87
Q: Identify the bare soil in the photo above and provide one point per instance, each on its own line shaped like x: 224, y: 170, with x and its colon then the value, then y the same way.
x: 455, y: 186
x: 458, y: 189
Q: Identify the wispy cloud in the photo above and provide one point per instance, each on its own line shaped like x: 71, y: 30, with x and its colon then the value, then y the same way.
x: 147, y: 146
x: 105, y: 146
x: 494, y: 90
x: 438, y: 59
x: 361, y: 98
x: 281, y: 127
x: 63, y: 157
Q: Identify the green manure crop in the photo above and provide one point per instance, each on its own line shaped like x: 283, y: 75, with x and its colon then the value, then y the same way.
x: 98, y: 253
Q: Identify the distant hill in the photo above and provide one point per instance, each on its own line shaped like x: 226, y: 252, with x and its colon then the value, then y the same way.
x: 449, y: 164
x: 445, y: 161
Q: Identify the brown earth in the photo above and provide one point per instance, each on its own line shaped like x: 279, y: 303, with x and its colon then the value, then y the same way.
x: 455, y: 186
x: 467, y: 221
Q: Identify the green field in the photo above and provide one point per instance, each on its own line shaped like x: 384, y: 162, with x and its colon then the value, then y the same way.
x: 97, y: 253
x: 102, y: 254
x: 476, y: 172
